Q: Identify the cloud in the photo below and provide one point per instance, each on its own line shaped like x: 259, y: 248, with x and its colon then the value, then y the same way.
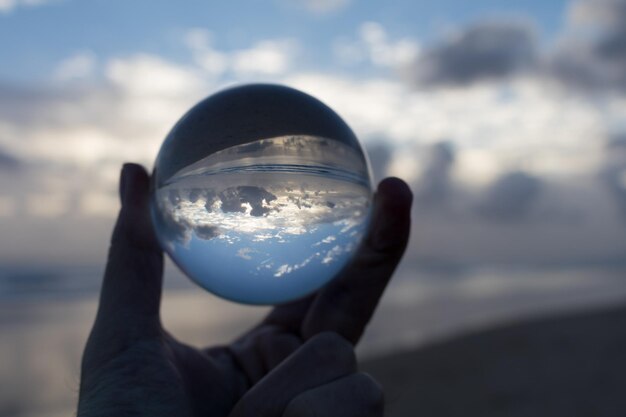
x: 611, y: 13
x: 570, y: 221
x: 266, y: 57
x: 211, y: 60
x: 613, y: 173
x: 270, y: 57
x: 435, y: 185
x: 47, y: 205
x: 144, y: 74
x: 7, y: 6
x: 8, y: 206
x: 592, y: 53
x: 74, y: 137
x: 207, y: 232
x: 478, y: 119
x: 489, y: 50
x: 589, y: 56
x: 9, y: 163
x: 510, y: 197
x: 374, y: 45
x: 379, y: 154
x: 322, y: 7
x: 78, y: 66
x: 246, y: 199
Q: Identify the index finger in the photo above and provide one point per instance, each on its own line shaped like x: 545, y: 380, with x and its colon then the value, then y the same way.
x: 131, y: 288
x: 346, y: 305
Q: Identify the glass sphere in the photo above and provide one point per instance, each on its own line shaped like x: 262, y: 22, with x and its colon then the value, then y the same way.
x: 261, y: 194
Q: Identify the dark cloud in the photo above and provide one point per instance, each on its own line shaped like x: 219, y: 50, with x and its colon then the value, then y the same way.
x: 174, y: 197
x: 195, y: 194
x: 379, y: 155
x: 9, y: 162
x: 235, y: 198
x: 207, y: 232
x: 510, y: 197
x: 613, y: 174
x: 591, y: 55
x: 597, y: 61
x: 37, y: 105
x: 435, y: 185
x: 484, y: 51
x: 172, y: 230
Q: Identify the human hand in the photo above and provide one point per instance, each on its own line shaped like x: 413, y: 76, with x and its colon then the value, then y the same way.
x: 299, y: 361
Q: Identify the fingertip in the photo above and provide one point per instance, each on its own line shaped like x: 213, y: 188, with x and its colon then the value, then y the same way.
x: 134, y: 184
x: 134, y: 223
x: 395, y: 190
x: 392, y: 215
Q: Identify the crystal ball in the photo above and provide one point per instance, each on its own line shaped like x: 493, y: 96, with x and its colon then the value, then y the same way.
x: 261, y: 194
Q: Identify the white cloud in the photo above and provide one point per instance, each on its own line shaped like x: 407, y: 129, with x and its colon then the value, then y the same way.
x: 596, y: 12
x: 145, y: 74
x: 73, y: 141
x: 47, y: 205
x: 266, y: 57
x: 322, y: 7
x: 98, y: 204
x: 7, y: 6
x: 374, y: 46
x: 8, y: 206
x: 200, y: 41
x: 404, y: 165
x: 386, y: 53
x: 270, y: 57
x: 78, y: 66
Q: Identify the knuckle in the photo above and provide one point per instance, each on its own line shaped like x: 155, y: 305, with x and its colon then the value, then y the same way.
x: 288, y: 340
x: 331, y: 349
x: 300, y: 406
x: 334, y: 347
x: 370, y: 391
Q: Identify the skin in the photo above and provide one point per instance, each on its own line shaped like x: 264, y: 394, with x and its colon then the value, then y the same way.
x: 297, y: 362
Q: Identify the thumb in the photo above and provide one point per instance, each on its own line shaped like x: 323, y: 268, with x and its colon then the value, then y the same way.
x: 131, y: 289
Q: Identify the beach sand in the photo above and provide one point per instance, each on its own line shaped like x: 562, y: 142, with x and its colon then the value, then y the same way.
x: 565, y: 366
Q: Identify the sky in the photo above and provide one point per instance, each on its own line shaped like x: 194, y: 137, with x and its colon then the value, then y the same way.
x: 507, y: 119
